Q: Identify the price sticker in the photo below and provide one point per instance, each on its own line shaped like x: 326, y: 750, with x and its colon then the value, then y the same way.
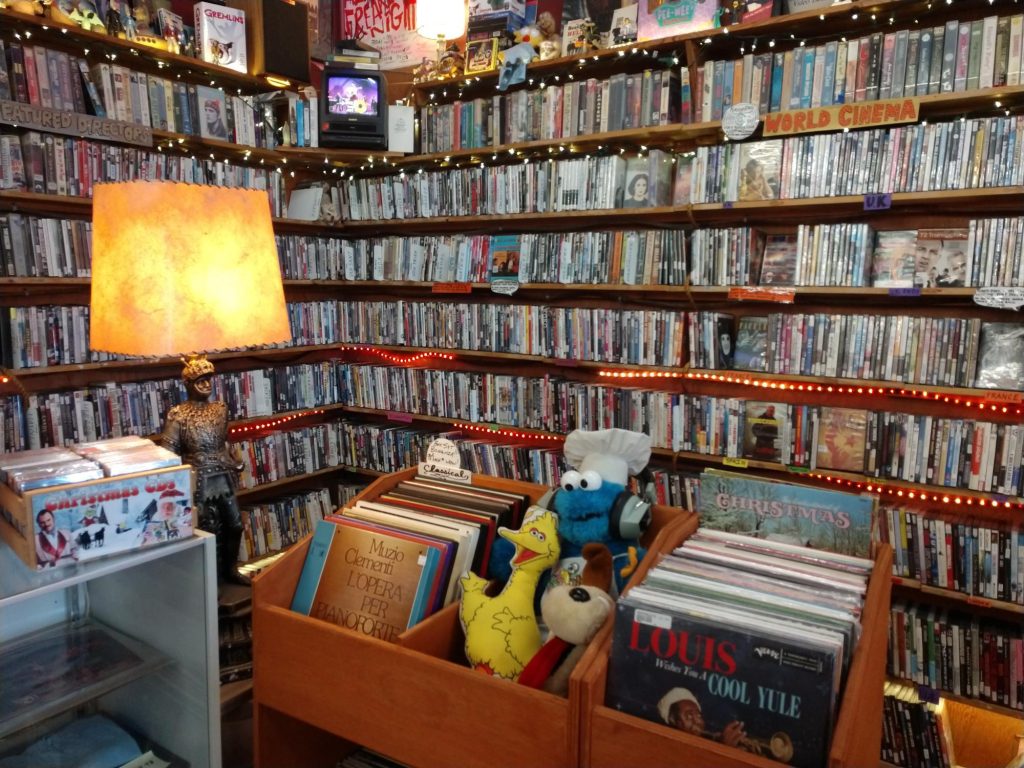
x: 451, y: 288
x: 878, y: 202
x: 754, y: 293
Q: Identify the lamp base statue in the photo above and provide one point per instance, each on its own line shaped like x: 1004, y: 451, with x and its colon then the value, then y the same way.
x: 197, y: 430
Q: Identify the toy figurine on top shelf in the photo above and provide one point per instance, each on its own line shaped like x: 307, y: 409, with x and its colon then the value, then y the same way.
x: 81, y: 13
x: 580, y: 36
x: 451, y: 63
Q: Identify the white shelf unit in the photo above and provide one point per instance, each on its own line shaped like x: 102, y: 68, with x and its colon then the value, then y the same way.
x: 165, y: 597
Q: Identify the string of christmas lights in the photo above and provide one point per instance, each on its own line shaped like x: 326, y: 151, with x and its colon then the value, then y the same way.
x: 399, y: 359
x: 972, y: 401
x: 277, y: 421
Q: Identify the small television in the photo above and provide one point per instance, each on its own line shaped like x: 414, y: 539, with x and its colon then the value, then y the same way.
x: 353, y: 108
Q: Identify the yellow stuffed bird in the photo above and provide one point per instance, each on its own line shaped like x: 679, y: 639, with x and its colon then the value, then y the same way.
x: 502, y: 634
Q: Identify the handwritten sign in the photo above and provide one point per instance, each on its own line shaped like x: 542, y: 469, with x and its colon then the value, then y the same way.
x: 504, y: 287
x: 745, y: 293
x: 730, y: 461
x: 444, y: 451
x: 388, y: 26
x: 405, y: 418
x: 861, y: 115
x: 1000, y: 298
x: 740, y: 120
x: 451, y: 288
x: 878, y: 202
x: 905, y: 292
x: 74, y: 124
x: 445, y: 472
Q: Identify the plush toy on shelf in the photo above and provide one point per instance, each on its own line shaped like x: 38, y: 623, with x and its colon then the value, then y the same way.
x: 502, y: 633
x: 572, y: 615
x: 594, y: 504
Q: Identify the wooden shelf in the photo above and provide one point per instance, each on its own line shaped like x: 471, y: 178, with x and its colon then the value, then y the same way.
x: 687, y: 136
x: 246, y: 494
x: 849, y: 479
x: 134, y: 55
x: 973, y: 601
x: 991, y: 201
x: 802, y: 23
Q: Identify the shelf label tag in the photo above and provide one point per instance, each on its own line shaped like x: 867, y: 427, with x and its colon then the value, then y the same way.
x: 1004, y: 396
x: 798, y: 470
x: 451, y: 288
x: 905, y: 292
x: 731, y: 461
x: 405, y: 418
x: 757, y: 293
x: 1000, y: 298
x: 979, y: 601
x: 727, y: 205
x: 928, y: 694
x: 504, y: 287
x: 878, y: 202
x: 567, y: 362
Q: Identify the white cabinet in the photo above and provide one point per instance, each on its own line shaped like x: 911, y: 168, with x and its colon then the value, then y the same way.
x: 164, y: 598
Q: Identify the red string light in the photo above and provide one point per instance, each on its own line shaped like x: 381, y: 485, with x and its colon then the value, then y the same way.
x: 834, y: 389
x: 400, y: 359
x: 271, y: 423
x: 916, y: 495
x: 508, y: 432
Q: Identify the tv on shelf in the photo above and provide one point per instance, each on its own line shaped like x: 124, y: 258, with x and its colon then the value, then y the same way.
x: 353, y: 108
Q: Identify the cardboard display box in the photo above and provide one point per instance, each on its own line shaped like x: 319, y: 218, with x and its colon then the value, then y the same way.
x: 97, y: 518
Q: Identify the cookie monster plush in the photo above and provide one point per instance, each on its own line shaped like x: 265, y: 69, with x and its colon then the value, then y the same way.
x: 593, y: 505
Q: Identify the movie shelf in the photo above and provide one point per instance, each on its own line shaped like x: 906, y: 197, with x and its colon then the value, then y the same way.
x: 906, y: 208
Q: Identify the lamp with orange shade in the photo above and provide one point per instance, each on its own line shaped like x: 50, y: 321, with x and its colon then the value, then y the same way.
x: 185, y: 269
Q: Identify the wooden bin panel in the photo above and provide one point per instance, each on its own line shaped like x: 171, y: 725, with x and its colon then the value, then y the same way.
x: 415, y: 701
x: 611, y: 738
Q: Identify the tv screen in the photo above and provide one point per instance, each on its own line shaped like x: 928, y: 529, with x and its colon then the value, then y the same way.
x: 352, y: 95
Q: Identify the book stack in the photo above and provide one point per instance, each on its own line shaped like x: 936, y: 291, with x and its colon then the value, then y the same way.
x: 381, y: 566
x: 741, y: 639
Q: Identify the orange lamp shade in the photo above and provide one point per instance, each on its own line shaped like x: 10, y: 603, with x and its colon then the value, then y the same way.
x: 183, y: 268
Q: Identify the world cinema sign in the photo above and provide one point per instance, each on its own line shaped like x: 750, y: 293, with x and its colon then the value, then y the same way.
x: 861, y: 115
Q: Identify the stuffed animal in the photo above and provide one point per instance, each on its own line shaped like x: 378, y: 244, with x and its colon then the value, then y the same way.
x: 572, y: 615
x: 501, y: 631
x: 593, y: 504
x: 530, y: 34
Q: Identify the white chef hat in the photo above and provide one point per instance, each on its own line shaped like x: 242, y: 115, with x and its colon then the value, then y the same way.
x: 614, y: 454
x: 672, y: 697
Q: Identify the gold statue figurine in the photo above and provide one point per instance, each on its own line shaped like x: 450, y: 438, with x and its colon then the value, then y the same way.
x: 197, y: 431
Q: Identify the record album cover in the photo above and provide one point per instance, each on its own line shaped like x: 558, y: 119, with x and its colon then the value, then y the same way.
x: 786, y: 512
x: 756, y: 692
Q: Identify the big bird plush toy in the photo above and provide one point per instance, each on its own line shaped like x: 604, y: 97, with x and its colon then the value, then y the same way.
x: 502, y: 634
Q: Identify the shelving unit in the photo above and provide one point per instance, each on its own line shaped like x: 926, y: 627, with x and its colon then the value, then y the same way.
x: 164, y: 598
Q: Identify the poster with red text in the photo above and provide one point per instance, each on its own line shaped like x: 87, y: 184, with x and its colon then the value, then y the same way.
x: 388, y: 26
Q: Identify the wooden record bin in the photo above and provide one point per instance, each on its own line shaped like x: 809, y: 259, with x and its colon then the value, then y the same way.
x: 321, y: 690
x: 612, y: 738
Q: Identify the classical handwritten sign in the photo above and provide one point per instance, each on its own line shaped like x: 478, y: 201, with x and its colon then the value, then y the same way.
x: 444, y: 451
x: 74, y: 124
x: 388, y: 26
x: 445, y: 472
x: 861, y: 115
